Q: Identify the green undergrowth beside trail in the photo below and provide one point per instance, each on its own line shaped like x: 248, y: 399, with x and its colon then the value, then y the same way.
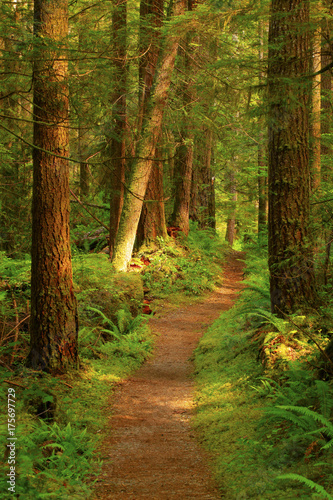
x: 182, y: 269
x: 264, y: 400
x: 60, y: 421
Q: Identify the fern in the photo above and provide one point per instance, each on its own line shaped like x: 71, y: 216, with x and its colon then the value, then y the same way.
x: 325, y: 398
x: 311, y: 484
x: 311, y: 416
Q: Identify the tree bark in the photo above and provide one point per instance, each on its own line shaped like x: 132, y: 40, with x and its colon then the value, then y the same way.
x: 183, y: 180
x: 262, y: 162
x: 290, y: 263
x: 202, y: 207
x: 152, y: 220
x: 146, y: 152
x: 54, y: 319
x: 316, y: 111
x: 231, y: 222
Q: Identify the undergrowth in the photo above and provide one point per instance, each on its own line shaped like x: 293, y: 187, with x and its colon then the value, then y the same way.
x: 264, y: 409
x: 190, y: 265
x: 60, y: 421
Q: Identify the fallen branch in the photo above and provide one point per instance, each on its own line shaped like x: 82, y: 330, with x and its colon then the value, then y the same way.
x: 14, y: 383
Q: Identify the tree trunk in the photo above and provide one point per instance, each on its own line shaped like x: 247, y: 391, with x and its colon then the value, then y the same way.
x: 54, y: 319
x: 146, y: 152
x: 202, y: 207
x: 316, y: 111
x: 117, y: 146
x: 262, y: 163
x: 152, y: 220
x: 231, y: 222
x: 290, y: 263
x: 183, y: 179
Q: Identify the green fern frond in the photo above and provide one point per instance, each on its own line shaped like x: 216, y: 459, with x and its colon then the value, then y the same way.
x: 317, y: 417
x: 310, y: 484
x: 115, y: 332
x: 282, y: 413
x: 105, y: 318
x: 328, y: 445
x: 325, y: 398
x: 264, y: 292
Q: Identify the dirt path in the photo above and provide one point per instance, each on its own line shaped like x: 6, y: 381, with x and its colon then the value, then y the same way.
x: 153, y: 454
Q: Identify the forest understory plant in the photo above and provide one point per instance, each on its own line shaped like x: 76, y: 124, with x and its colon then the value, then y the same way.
x: 270, y: 369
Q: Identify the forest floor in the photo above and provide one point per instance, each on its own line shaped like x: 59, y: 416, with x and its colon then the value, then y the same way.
x: 151, y: 452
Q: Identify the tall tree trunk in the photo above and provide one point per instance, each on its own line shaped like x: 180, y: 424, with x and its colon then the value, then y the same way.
x: 183, y: 180
x: 231, y: 222
x: 290, y: 263
x: 202, y: 207
x: 117, y: 146
x: 146, y: 152
x: 83, y: 123
x: 152, y: 220
x: 54, y: 319
x: 185, y: 150
x: 316, y: 111
x: 262, y: 163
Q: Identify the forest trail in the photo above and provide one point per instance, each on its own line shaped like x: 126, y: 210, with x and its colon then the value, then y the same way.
x: 151, y: 452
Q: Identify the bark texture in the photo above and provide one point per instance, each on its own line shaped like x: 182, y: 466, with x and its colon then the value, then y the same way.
x: 146, y: 152
x: 290, y: 263
x: 54, y: 320
x: 152, y: 220
x: 202, y: 207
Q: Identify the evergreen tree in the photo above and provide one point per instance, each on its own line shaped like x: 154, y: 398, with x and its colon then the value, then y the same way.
x: 54, y: 320
x: 290, y: 260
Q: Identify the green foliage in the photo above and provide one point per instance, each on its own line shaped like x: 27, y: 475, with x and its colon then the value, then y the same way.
x: 191, y: 267
x: 310, y: 484
x: 288, y: 430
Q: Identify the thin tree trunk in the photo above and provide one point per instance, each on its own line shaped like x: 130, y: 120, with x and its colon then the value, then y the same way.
x: 231, y: 222
x: 262, y: 163
x: 117, y: 146
x: 183, y: 180
x: 146, y: 153
x: 202, y: 207
x: 54, y: 319
x: 290, y: 259
x: 316, y: 112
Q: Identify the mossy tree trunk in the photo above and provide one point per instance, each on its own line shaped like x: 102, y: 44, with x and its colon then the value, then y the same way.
x: 290, y: 263
x: 54, y: 320
x: 140, y: 174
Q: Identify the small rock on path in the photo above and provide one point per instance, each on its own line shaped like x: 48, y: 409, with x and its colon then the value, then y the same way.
x: 151, y: 452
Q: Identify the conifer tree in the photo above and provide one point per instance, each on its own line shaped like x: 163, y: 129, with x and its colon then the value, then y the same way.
x: 54, y: 320
x: 290, y: 263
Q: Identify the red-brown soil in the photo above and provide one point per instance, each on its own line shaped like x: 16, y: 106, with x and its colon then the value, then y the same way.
x: 151, y: 452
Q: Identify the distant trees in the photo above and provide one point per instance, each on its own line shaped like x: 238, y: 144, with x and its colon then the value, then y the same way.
x: 156, y: 119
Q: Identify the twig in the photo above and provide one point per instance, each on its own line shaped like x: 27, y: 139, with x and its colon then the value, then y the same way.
x: 70, y: 386
x: 14, y: 383
x: 92, y: 215
x: 18, y: 324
